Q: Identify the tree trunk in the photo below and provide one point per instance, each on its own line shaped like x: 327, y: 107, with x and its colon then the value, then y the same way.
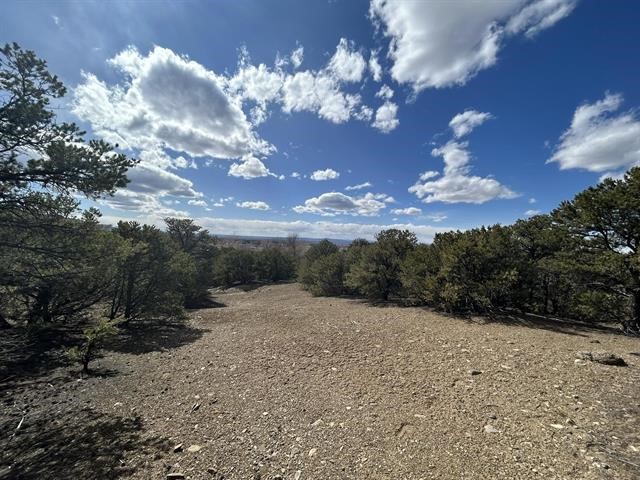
x: 85, y: 366
x: 128, y: 302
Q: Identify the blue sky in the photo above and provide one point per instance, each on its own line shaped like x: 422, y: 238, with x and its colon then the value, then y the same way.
x: 256, y: 117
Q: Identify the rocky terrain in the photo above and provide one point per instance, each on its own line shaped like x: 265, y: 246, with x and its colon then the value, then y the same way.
x: 273, y: 383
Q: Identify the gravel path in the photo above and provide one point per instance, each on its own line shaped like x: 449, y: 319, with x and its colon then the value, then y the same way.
x: 278, y: 384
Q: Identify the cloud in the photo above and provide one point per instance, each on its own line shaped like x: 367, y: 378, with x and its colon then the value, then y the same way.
x: 539, y: 15
x: 386, y: 120
x: 167, y: 101
x: 250, y: 168
x: 146, y: 178
x: 317, y: 91
x: 141, y: 203
x: 464, y: 123
x: 336, y: 203
x: 406, y: 211
x: 456, y: 184
x: 347, y: 231
x: 385, y: 92
x: 532, y: 200
x: 198, y: 203
x: 428, y: 174
x: 320, y: 93
x: 374, y: 66
x: 327, y: 174
x: 222, y: 201
x: 437, y: 217
x: 360, y: 186
x: 347, y: 64
x: 305, y: 229
x: 297, y: 56
x: 532, y: 213
x: 257, y: 84
x: 599, y: 139
x: 253, y: 205
x: 441, y: 44
x: 148, y: 186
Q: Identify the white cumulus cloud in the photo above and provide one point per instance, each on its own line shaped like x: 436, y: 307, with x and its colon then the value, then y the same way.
x: 167, y: 101
x: 600, y: 138
x: 297, y: 56
x: 464, y: 123
x: 336, y: 203
x: 253, y: 205
x: 440, y: 44
x: 406, y: 211
x: 456, y: 184
x: 251, y: 167
x: 326, y: 174
x: 346, y: 63
x: 386, y: 119
x: 374, y: 66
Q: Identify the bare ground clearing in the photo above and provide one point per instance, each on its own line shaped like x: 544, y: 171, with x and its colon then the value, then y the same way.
x: 278, y: 384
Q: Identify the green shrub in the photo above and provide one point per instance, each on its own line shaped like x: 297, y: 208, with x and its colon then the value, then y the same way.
x: 93, y: 338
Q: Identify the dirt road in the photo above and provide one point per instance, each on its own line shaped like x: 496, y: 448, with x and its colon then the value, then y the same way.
x: 277, y: 384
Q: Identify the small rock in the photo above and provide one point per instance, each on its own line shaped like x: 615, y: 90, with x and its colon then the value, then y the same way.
x: 604, y: 358
x: 316, y: 423
x: 474, y: 372
x: 490, y: 429
x: 313, y: 451
x: 297, y: 475
x: 594, y: 341
x: 175, y: 476
x: 177, y: 448
x: 557, y: 426
x: 194, y: 448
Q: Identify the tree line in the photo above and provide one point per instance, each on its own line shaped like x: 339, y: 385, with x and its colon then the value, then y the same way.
x: 58, y: 263
x: 580, y: 261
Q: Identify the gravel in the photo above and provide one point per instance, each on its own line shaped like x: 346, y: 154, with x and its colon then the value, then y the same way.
x: 294, y: 387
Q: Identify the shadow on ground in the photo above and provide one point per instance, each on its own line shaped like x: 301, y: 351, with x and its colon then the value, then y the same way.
x: 79, y: 444
x: 28, y: 356
x: 527, y: 320
x: 249, y: 287
x: 145, y: 336
x: 568, y: 327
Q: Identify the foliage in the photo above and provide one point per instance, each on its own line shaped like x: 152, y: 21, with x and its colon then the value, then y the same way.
x: 274, y: 264
x: 325, y: 276
x: 53, y: 261
x: 309, y: 274
x: 153, y: 275
x: 94, y: 336
x: 580, y: 262
x: 235, y: 266
x: 200, y: 245
x: 377, y: 272
x: 606, y: 219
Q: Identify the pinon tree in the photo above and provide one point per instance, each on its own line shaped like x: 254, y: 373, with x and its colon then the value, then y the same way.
x: 44, y: 165
x: 200, y: 245
x: 606, y: 218
x: 377, y: 273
